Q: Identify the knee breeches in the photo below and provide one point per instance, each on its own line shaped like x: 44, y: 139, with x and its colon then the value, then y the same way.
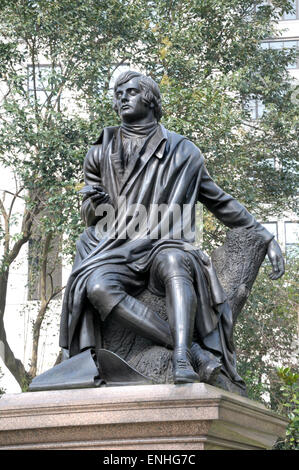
x: 109, y: 284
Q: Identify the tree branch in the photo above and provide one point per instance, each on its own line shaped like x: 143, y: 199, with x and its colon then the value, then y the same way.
x: 14, y: 200
x: 6, y: 228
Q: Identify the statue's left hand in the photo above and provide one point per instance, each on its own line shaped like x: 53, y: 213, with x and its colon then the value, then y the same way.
x: 276, y: 259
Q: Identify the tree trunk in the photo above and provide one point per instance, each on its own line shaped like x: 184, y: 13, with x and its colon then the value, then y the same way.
x: 14, y: 365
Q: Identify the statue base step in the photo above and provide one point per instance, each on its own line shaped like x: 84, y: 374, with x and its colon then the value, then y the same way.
x: 151, y: 417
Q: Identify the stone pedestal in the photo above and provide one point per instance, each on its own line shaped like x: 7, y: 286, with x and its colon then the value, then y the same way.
x: 152, y: 417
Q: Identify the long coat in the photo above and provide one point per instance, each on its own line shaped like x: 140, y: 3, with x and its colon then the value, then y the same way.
x: 169, y: 170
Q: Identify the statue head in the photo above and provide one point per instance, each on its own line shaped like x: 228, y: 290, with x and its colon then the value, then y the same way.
x: 149, y: 89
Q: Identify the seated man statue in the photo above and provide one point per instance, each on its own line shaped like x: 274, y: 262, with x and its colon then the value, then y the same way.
x: 133, y: 169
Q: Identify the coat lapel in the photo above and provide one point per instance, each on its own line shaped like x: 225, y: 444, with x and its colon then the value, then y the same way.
x: 155, y: 146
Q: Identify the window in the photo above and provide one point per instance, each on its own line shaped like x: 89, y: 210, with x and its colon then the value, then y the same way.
x: 263, y: 3
x: 280, y: 45
x: 294, y: 14
x: 54, y: 270
x: 255, y: 107
x: 42, y: 81
x: 33, y: 265
x: 54, y: 266
x: 292, y: 239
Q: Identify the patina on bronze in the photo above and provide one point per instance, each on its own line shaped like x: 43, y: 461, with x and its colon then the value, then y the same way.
x: 147, y: 165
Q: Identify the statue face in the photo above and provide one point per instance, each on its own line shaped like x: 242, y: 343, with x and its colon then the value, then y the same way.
x: 130, y: 105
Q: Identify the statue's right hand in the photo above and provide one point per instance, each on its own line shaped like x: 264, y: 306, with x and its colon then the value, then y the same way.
x: 100, y: 198
x: 95, y: 193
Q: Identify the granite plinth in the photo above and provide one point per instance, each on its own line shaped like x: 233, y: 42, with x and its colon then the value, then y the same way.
x: 152, y: 417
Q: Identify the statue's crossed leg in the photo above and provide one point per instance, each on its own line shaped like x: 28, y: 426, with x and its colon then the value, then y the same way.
x: 109, y: 290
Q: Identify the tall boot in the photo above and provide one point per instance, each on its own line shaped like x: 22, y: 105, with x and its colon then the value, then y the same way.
x: 181, y: 309
x: 134, y: 314
x: 205, y: 363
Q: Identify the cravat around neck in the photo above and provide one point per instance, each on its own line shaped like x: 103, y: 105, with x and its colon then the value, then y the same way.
x: 140, y: 131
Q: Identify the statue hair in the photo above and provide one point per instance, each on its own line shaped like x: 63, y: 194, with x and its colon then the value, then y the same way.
x: 150, y: 90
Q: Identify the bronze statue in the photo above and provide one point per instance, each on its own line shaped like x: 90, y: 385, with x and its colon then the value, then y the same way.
x: 148, y: 175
